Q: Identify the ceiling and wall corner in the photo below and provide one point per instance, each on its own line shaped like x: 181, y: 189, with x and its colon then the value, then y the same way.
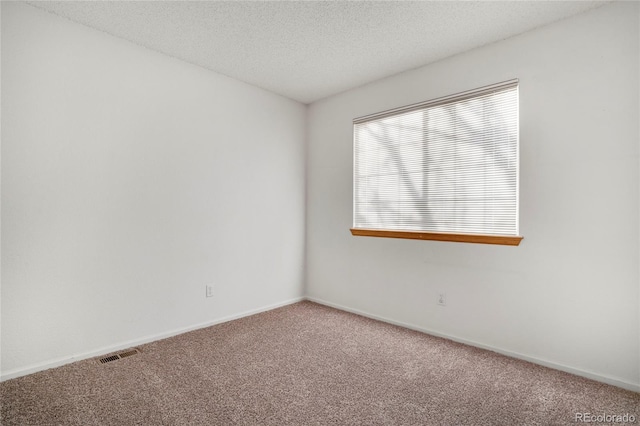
x: 308, y: 50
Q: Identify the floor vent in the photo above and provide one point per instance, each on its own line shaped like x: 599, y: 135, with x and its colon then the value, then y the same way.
x: 116, y: 357
x: 109, y: 359
x: 128, y: 353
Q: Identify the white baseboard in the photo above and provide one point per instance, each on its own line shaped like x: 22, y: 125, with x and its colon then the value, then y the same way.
x: 545, y: 363
x: 34, y: 368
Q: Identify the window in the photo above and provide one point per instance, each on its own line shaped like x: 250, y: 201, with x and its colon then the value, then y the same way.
x: 445, y: 169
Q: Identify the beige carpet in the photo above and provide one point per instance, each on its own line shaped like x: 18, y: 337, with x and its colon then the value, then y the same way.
x: 306, y: 364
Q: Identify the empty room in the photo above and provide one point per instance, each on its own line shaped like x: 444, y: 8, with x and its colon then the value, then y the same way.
x: 320, y: 212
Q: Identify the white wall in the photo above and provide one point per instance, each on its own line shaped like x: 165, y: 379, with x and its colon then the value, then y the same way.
x: 568, y: 295
x: 129, y: 181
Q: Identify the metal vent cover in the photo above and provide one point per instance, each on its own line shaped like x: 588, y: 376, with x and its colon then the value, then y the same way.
x: 128, y: 353
x: 115, y: 357
x: 109, y: 359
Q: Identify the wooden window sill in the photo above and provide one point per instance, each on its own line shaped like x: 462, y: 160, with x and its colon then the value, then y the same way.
x: 505, y: 240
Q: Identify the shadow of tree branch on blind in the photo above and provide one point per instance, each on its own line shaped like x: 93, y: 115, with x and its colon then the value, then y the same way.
x: 450, y: 168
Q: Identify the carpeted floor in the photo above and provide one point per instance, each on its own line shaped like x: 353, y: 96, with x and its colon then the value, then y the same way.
x: 307, y: 364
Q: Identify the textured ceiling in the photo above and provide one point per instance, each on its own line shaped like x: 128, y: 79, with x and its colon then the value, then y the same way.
x: 307, y: 50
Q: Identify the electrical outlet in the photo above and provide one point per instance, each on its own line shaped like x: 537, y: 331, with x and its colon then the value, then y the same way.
x: 209, y: 290
x: 442, y: 299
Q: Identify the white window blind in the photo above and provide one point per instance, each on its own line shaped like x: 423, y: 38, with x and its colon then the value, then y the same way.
x: 447, y: 165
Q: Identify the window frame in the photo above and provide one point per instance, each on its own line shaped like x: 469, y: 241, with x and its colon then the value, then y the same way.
x: 481, y: 238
